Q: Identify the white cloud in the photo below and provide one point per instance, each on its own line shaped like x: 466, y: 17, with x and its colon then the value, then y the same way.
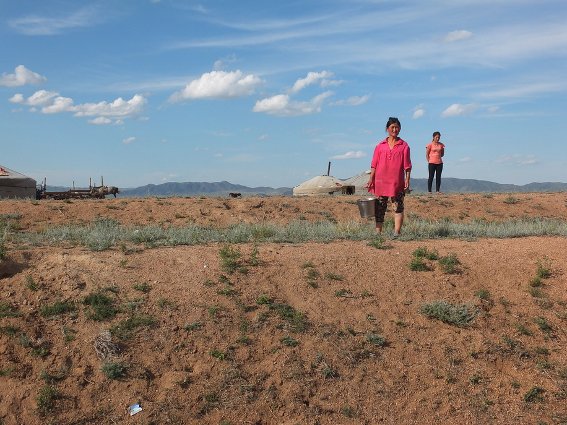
x: 129, y: 140
x: 527, y: 89
x: 263, y: 137
x: 39, y: 25
x: 59, y: 104
x: 115, y: 109
x: 350, y: 155
x: 39, y: 98
x: 517, y: 159
x: 311, y: 78
x: 17, y: 98
x: 353, y: 101
x: 456, y: 109
x: 222, y: 63
x: 465, y: 159
x: 281, y: 105
x: 100, y: 121
x: 457, y: 36
x: 52, y: 103
x: 21, y: 77
x: 218, y: 85
x: 418, y: 113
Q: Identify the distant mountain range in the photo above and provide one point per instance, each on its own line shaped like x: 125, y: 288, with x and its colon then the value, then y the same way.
x: 223, y: 188
x: 450, y: 184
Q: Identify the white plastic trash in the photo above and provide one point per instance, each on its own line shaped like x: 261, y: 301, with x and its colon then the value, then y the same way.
x: 135, y: 408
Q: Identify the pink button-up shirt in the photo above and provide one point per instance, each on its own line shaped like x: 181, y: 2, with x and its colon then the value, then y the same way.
x: 390, y: 166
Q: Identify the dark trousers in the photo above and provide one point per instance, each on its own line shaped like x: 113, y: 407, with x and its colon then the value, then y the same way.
x: 435, y: 169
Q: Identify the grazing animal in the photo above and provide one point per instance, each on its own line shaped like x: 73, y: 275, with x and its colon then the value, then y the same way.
x: 102, y: 191
x: 113, y: 190
x: 235, y: 195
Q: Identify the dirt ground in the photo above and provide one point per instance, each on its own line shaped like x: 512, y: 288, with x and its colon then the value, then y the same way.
x: 310, y: 333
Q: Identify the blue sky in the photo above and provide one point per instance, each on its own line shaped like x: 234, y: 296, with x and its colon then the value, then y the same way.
x: 265, y: 93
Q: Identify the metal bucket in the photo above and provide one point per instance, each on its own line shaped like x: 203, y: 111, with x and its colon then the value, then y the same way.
x: 367, y: 207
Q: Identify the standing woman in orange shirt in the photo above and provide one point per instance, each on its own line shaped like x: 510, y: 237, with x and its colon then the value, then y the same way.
x: 434, y: 151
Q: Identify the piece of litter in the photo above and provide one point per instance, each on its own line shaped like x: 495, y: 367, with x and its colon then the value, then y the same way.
x: 135, y: 408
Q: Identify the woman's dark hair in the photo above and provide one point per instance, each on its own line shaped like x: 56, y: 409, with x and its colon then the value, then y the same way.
x: 437, y: 134
x: 393, y: 120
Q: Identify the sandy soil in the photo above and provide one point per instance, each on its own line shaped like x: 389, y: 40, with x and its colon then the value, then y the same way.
x: 302, y: 334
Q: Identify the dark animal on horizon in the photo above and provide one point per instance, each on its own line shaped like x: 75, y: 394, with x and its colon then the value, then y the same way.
x: 101, y: 191
x: 235, y: 195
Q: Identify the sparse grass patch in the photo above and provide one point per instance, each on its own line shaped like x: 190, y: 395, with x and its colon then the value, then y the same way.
x: 536, y: 292
x: 194, y: 326
x: 8, y: 310
x: 142, y: 287
x: 254, y: 257
x: 475, y: 379
x: 6, y: 372
x: 214, y: 311
x: 124, y: 329
x: 289, y: 341
x: 311, y: 274
x: 418, y: 265
x: 379, y: 242
x: 348, y: 411
x: 543, y: 270
x: 227, y: 291
x: 52, y: 378
x: 345, y: 293
x: 450, y: 264
x: 296, y: 320
x: 9, y: 330
x: 114, y: 370
x: 376, y: 339
x: 68, y: 334
x: 511, y: 200
x: 454, y: 314
x: 105, y: 233
x: 46, y: 398
x: 483, y: 294
x: 41, y: 350
x: 230, y: 260
x: 57, y: 308
x: 543, y: 325
x: 31, y: 284
x: 423, y: 252
x: 218, y: 354
x: 523, y: 330
x: 164, y: 303
x: 535, y: 394
x: 328, y: 372
x: 264, y: 300
x: 334, y: 276
x: 101, y: 306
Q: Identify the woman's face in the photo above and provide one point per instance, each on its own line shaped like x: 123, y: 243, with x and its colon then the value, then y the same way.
x: 393, y: 130
x: 436, y: 138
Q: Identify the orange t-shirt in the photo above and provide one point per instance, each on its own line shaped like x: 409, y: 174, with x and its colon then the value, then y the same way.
x: 435, y: 151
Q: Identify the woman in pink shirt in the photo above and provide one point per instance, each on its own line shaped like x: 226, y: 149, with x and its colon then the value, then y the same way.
x: 390, y: 175
x: 434, y: 151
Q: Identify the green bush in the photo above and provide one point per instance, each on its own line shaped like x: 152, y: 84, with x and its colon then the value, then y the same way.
x: 46, y: 399
x: 101, y: 306
x: 57, y: 308
x: 114, y: 370
x: 450, y: 264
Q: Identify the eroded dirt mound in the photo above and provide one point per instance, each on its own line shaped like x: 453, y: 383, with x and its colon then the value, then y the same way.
x: 337, y: 333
